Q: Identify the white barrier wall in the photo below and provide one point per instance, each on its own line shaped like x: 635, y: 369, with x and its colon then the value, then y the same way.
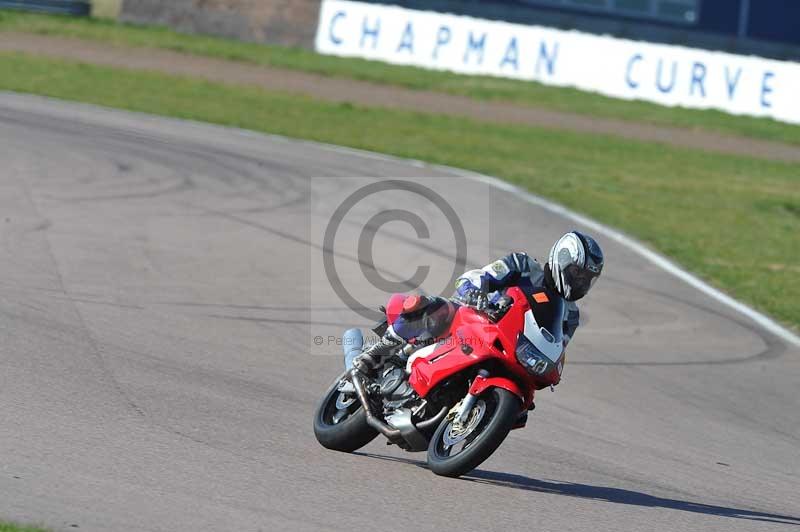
x: 668, y: 75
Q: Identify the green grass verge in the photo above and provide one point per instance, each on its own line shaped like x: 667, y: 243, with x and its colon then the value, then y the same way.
x: 732, y: 220
x: 479, y: 87
x: 11, y: 527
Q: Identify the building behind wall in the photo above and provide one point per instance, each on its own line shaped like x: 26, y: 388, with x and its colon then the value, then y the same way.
x: 284, y: 22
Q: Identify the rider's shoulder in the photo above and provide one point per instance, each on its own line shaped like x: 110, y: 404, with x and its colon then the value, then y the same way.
x: 523, y: 263
x: 520, y: 261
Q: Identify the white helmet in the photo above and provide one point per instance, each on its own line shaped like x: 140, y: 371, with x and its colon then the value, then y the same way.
x: 575, y: 263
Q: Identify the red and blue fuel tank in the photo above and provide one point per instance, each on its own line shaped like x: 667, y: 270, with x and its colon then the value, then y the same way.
x: 420, y: 318
x: 395, y: 307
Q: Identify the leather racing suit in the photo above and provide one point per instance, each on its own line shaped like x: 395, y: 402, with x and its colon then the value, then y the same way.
x: 515, y: 269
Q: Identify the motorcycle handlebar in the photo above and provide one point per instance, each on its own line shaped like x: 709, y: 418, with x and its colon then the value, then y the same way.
x: 491, y: 309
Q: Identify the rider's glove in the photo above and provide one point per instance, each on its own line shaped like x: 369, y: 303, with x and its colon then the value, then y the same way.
x: 474, y: 297
x: 481, y: 301
x: 503, y: 302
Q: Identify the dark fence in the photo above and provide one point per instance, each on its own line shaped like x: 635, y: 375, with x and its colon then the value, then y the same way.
x: 769, y: 28
x: 60, y: 7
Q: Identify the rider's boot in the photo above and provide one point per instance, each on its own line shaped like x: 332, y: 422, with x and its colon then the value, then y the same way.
x: 375, y: 356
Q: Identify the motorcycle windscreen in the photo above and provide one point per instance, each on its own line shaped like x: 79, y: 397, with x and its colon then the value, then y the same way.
x: 544, y: 327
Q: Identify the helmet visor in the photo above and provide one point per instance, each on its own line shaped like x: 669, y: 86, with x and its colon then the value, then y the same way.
x: 580, y: 280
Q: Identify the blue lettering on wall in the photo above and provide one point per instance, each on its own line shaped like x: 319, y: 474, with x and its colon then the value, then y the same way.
x: 368, y: 32
x: 511, y: 56
x: 732, y: 83
x: 698, y: 78
x: 334, y: 19
x: 666, y: 88
x: 766, y: 89
x: 407, y: 40
x: 442, y: 38
x: 628, y: 73
x: 474, y: 45
x: 548, y: 59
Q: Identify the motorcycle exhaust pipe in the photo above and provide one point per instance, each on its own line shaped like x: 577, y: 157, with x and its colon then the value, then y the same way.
x: 434, y: 421
x: 392, y: 434
x: 352, y: 343
x: 372, y: 421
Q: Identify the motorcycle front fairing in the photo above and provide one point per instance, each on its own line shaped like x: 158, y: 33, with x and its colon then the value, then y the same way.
x: 475, y: 340
x: 540, y: 346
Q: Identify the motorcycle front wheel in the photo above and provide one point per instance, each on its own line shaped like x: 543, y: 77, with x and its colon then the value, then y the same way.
x: 340, y: 422
x: 457, y: 448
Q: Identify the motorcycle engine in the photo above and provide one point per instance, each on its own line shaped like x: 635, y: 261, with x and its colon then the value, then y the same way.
x: 395, y: 389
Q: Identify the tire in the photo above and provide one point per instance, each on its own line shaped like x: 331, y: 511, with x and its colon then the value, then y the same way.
x: 501, y: 409
x: 347, y: 435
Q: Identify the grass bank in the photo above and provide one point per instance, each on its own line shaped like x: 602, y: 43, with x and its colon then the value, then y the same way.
x: 734, y: 221
x: 11, y: 527
x: 478, y: 87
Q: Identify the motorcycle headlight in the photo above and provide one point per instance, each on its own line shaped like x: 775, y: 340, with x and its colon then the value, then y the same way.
x: 530, y: 357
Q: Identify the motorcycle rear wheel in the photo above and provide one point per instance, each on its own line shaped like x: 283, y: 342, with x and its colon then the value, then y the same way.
x: 341, y: 429
x: 493, y: 416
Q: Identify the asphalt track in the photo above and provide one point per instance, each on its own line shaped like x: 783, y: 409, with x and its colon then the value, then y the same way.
x: 159, y: 296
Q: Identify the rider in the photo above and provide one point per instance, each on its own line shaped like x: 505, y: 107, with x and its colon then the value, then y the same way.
x: 574, y: 264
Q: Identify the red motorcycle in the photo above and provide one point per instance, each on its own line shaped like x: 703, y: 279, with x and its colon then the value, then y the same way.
x: 456, y: 392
